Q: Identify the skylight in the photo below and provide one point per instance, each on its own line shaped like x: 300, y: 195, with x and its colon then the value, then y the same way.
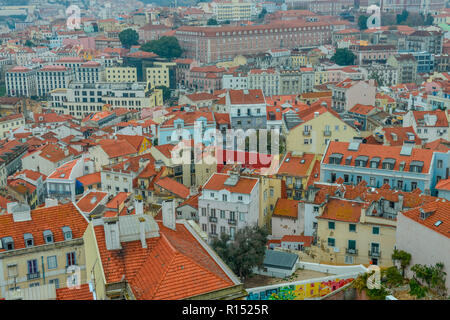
x: 438, y: 223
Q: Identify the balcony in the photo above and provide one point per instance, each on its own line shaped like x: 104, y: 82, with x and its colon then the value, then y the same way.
x: 306, y: 133
x: 351, y: 251
x: 327, y: 133
x: 212, y: 219
x: 213, y: 235
x: 35, y: 275
x: 374, y: 253
x: 232, y: 222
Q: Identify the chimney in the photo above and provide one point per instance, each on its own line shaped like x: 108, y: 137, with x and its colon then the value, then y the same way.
x: 168, y: 214
x: 66, y: 152
x: 112, y: 233
x: 50, y: 202
x: 139, y: 205
x: 192, y: 191
x: 316, y: 114
x: 142, y: 231
x: 21, y: 212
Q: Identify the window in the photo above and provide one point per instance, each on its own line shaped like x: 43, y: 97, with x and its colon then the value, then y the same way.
x: 439, y: 163
x: 70, y: 259
x: 203, y: 212
x: 12, y: 271
x: 375, y: 230
x: 224, y: 197
x: 35, y: 284
x: 52, y: 262
x: 55, y: 282
x: 213, y: 212
x: 331, y: 225
x: 349, y: 259
x: 67, y: 233
x: 352, y: 227
x: 346, y: 178
x: 48, y: 236
x: 413, y: 185
x: 331, y: 242
x: 32, y: 266
x: 29, y: 241
x: 222, y: 214
x: 316, y: 209
x: 241, y: 216
x: 204, y: 227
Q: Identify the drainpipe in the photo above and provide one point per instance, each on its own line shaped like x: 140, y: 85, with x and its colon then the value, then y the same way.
x: 43, y: 270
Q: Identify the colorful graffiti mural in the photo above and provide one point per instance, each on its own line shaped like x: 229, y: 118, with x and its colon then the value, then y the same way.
x: 300, y: 291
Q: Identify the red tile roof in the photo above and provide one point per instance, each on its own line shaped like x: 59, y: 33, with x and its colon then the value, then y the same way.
x: 286, y: 208
x: 89, y: 201
x: 173, y: 266
x: 82, y: 293
x: 117, y: 148
x: 362, y: 109
x: 438, y: 145
x: 51, y: 218
x: 244, y: 185
x: 174, y: 187
x: 90, y: 179
x: 383, y: 152
x: 295, y: 165
x: 342, y: 210
x: 443, y: 185
x: 440, y: 211
x: 191, y: 201
x: 254, y: 96
x: 307, y: 240
x: 441, y: 118
x: 401, y: 135
x: 64, y: 171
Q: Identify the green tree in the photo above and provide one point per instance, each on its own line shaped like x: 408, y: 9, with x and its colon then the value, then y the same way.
x: 401, y: 18
x: 166, y: 47
x: 377, y: 78
x: 343, y: 57
x: 165, y: 91
x: 403, y: 257
x: 212, y: 22
x: 433, y: 276
x: 245, y: 252
x: 262, y: 14
x: 128, y: 38
x: 29, y: 43
x: 362, y: 22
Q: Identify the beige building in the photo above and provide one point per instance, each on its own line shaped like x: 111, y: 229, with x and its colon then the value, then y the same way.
x: 10, y: 123
x: 159, y: 74
x: 310, y: 131
x: 45, y: 246
x: 121, y: 74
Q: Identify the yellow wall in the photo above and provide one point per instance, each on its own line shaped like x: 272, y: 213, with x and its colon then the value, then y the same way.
x: 363, y: 237
x: 295, y: 137
x: 120, y: 74
x: 158, y: 75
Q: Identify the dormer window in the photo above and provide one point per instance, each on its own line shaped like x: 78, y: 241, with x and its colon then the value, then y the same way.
x: 348, y: 160
x: 67, y: 232
x: 361, y: 161
x: 8, y: 243
x: 48, y: 236
x: 335, y: 158
x: 29, y: 241
x: 375, y: 162
x: 389, y: 163
x: 416, y: 166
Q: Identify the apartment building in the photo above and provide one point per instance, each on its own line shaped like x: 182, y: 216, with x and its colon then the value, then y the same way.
x: 120, y: 74
x: 378, y: 53
x: 213, y: 44
x: 267, y: 80
x: 406, y: 66
x: 162, y: 74
x: 429, y: 125
x: 404, y: 168
x: 430, y: 222
x: 20, y: 82
x: 9, y: 123
x: 311, y: 130
x: 385, y: 74
x: 44, y: 246
x: 52, y: 77
x: 82, y: 99
x: 228, y: 202
x: 347, y: 93
x: 234, y: 10
x: 90, y: 72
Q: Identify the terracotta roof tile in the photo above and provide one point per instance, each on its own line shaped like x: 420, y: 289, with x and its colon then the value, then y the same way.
x: 174, y: 187
x: 286, y: 208
x: 440, y: 211
x: 244, y: 185
x: 82, y: 293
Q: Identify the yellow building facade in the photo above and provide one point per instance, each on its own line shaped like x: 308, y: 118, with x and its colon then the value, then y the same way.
x: 121, y: 74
